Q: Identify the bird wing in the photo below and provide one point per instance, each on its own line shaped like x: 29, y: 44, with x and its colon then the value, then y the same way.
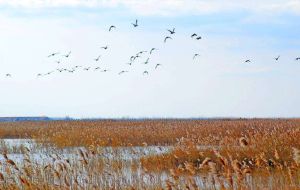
x: 111, y: 27
x: 167, y: 38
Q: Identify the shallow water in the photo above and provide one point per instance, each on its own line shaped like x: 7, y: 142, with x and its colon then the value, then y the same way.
x: 126, y: 156
x: 116, y: 169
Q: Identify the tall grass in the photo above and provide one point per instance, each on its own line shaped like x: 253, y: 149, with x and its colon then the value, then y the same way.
x: 211, y: 154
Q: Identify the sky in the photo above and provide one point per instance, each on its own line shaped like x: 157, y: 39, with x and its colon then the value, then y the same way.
x: 218, y: 83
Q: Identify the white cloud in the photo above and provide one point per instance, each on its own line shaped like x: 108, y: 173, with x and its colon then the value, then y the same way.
x: 168, y: 7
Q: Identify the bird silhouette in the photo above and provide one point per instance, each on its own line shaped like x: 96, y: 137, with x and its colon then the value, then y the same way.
x: 97, y: 68
x: 129, y: 63
x: 53, y: 54
x: 168, y: 37
x: 147, y: 61
x: 172, y: 31
x: 8, y: 75
x: 104, y: 47
x: 199, y: 38
x: 105, y: 70
x: 145, y: 73
x: 248, y: 61
x: 67, y: 55
x: 298, y: 58
x: 86, y: 68
x: 141, y: 52
x: 135, y: 24
x: 122, y: 72
x: 58, y: 61
x: 196, y: 55
x: 193, y: 35
x: 277, y: 58
x: 157, y: 65
x: 39, y: 75
x: 97, y: 59
x: 151, y: 51
x: 49, y: 73
x: 111, y: 27
x: 132, y: 58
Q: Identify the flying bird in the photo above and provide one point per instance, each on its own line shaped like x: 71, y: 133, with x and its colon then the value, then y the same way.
x: 277, y: 58
x: 87, y: 68
x: 97, y: 59
x: 145, y: 73
x: 122, y: 72
x: 104, y: 47
x: 49, y: 73
x: 196, y: 55
x: 8, y: 75
x: 298, y: 58
x: 147, y: 61
x: 248, y: 61
x: 105, y: 70
x: 152, y: 50
x: 53, y: 54
x: 58, y: 61
x: 141, y: 52
x: 67, y: 55
x: 135, y: 24
x: 39, y: 75
x: 111, y: 27
x: 97, y: 68
x: 168, y: 37
x: 172, y: 31
x: 157, y: 65
x: 199, y: 38
x: 193, y: 35
x: 132, y: 58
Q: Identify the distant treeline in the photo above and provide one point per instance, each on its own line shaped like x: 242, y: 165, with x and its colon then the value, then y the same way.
x: 16, y: 119
x: 44, y: 118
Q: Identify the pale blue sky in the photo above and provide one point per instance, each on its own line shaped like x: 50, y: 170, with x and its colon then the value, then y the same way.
x: 217, y: 84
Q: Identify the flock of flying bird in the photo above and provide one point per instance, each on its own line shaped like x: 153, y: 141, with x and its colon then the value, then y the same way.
x: 132, y: 59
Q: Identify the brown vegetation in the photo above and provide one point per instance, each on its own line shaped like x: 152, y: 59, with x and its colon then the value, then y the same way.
x: 158, y: 132
x: 224, y: 154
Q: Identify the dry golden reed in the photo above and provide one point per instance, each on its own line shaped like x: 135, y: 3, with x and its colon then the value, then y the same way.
x: 224, y: 154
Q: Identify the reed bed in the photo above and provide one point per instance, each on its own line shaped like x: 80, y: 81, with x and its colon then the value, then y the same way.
x: 190, y: 154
